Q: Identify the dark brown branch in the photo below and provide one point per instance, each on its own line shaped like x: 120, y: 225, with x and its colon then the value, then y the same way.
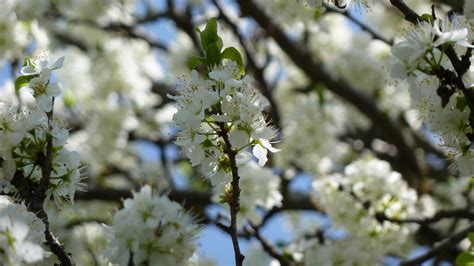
x: 292, y: 202
x: 30, y: 192
x: 135, y: 33
x: 456, y: 5
x: 410, y: 15
x: 162, y: 90
x: 359, y: 23
x: 234, y: 203
x: 440, y: 215
x: 81, y: 221
x: 35, y: 194
x: 151, y: 16
x: 69, y: 39
x: 267, y: 246
x: 440, y: 247
x: 117, y: 195
x: 183, y: 21
x: 130, y: 31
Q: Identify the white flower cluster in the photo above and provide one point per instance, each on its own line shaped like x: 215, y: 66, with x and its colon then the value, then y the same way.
x: 152, y: 229
x: 303, y: 116
x: 24, y: 133
x: 119, y: 79
x: 210, y: 108
x: 368, y: 187
x: 416, y: 52
x: 86, y: 243
x: 260, y: 189
x: 21, y: 234
x: 100, y: 11
x: 43, y: 88
x: 440, y: 105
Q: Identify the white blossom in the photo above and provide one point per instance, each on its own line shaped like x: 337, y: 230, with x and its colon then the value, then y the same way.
x: 152, y: 229
x: 367, y: 188
x: 451, y: 32
x: 206, y: 107
x: 42, y: 64
x: 21, y: 234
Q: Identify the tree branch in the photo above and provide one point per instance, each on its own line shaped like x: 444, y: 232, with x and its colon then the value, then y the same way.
x: 234, y: 203
x: 30, y: 192
x: 359, y: 23
x: 440, y: 247
x: 440, y: 215
x: 267, y: 246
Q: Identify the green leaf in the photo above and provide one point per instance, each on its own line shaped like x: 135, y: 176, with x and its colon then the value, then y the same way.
x: 461, y: 103
x: 213, y: 55
x: 427, y: 18
x: 233, y: 54
x: 184, y: 168
x: 319, y: 88
x: 219, y: 42
x: 27, y: 61
x: 209, y: 34
x: 23, y: 81
x: 470, y: 236
x: 287, y: 255
x: 69, y: 100
x: 465, y: 259
x: 195, y: 61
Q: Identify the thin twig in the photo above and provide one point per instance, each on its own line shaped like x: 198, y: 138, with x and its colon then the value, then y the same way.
x: 267, y: 246
x: 440, y: 215
x: 440, y: 247
x: 359, y: 23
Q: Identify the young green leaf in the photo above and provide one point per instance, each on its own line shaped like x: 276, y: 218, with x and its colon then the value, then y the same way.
x: 470, y: 236
x: 319, y: 88
x: 213, y: 55
x: 465, y: 259
x: 27, y: 61
x: 23, y: 81
x: 209, y: 34
x: 195, y: 61
x: 427, y: 17
x: 233, y: 54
